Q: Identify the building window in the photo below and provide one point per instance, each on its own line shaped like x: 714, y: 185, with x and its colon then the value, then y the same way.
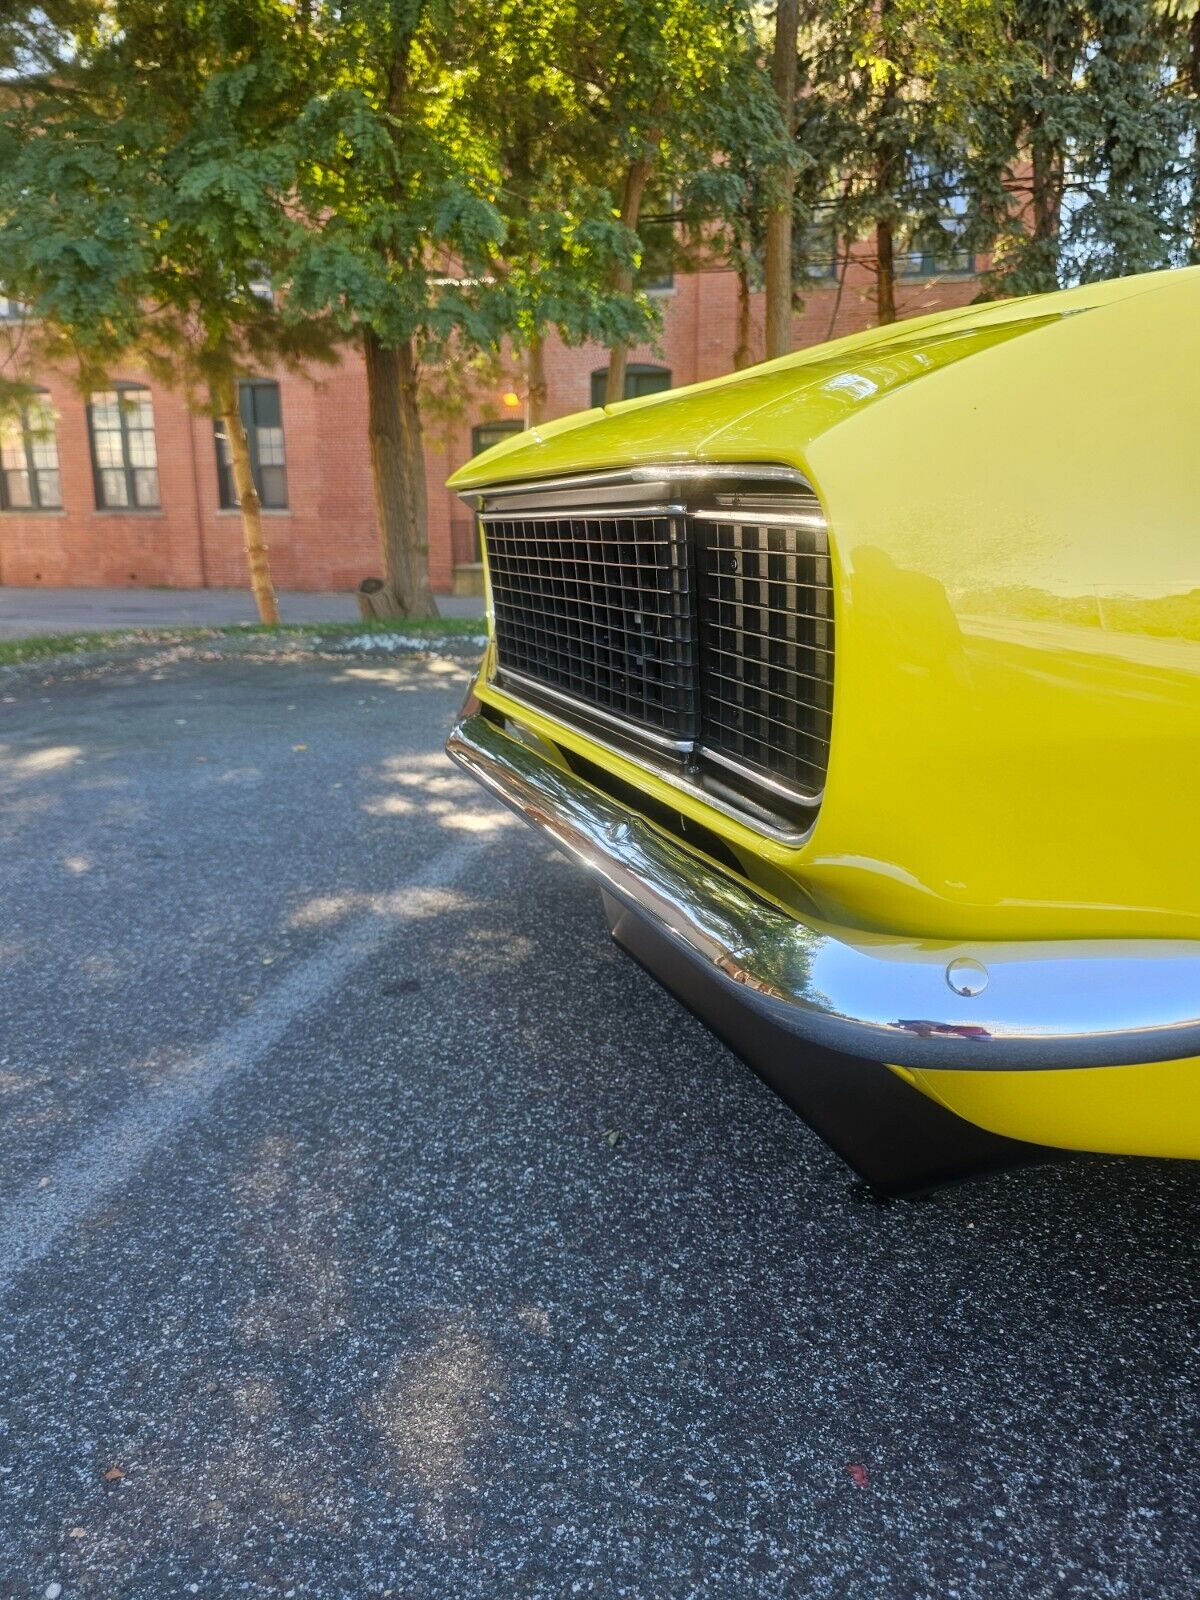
x: 29, y: 479
x: 262, y: 418
x: 935, y: 248
x: 815, y: 253
x: 489, y: 433
x: 124, y: 456
x: 640, y: 379
x: 659, y: 282
x: 11, y: 310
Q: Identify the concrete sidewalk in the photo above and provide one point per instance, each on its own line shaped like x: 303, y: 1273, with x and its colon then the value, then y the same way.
x: 24, y: 612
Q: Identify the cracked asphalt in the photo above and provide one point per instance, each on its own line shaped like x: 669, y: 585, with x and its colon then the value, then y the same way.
x: 369, y: 1225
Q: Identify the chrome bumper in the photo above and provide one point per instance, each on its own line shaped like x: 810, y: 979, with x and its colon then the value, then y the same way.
x: 1039, y: 1005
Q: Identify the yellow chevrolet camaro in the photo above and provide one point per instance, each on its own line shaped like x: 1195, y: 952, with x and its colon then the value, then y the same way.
x: 866, y: 683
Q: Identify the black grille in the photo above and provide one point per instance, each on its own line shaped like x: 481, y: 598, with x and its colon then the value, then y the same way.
x: 599, y: 607
x: 767, y: 647
x: 711, y: 629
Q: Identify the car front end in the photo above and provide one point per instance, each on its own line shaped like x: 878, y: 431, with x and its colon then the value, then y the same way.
x: 867, y: 686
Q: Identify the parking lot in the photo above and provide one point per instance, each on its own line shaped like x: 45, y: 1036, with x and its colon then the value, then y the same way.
x: 369, y: 1225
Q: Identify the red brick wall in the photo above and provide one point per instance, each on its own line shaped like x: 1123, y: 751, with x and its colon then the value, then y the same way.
x: 326, y: 539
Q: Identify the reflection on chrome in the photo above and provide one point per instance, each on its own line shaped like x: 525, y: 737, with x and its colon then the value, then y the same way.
x: 1048, y: 1003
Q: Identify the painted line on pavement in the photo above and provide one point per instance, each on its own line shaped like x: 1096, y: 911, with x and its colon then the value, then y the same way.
x: 31, y: 1224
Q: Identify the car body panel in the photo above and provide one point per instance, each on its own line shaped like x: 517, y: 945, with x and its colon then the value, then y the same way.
x: 1013, y: 501
x: 1016, y: 747
x: 1150, y: 1109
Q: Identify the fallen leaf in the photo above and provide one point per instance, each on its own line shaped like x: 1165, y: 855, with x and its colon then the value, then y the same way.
x: 114, y: 1474
x: 299, y: 747
x: 78, y: 1533
x: 612, y: 1138
x: 858, y: 1475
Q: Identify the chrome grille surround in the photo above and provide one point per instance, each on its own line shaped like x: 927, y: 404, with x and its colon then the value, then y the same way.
x: 683, y: 615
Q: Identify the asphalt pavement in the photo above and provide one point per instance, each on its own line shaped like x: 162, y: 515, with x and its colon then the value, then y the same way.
x: 370, y: 1226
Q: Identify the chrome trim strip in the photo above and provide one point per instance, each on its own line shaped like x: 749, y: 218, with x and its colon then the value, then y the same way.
x: 762, y: 779
x: 667, y: 471
x: 747, y: 813
x: 587, y: 508
x: 1042, y: 1004
x: 635, y: 730
x: 773, y: 519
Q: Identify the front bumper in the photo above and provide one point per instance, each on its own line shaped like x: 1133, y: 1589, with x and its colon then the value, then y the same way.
x: 1039, y: 1005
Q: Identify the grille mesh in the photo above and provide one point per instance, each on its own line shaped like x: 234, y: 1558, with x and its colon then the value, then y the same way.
x: 600, y: 607
x: 767, y: 648
x: 712, y: 629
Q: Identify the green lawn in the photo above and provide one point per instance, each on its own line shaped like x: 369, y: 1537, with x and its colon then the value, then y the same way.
x: 47, y: 645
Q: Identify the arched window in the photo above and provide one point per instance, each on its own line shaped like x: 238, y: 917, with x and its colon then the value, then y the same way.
x: 640, y: 378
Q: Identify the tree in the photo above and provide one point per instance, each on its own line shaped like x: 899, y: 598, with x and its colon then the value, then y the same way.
x: 1088, y: 176
x: 566, y: 260
x: 900, y: 92
x: 778, y: 272
x: 651, y: 79
x: 438, y: 217
x: 144, y: 193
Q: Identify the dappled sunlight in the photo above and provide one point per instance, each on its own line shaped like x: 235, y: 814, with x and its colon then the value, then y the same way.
x: 293, y: 1225
x: 238, y: 775
x: 435, y: 789
x: 473, y: 821
x: 434, y: 1411
x: 77, y: 864
x: 321, y: 910
x: 407, y: 677
x: 400, y: 768
x: 36, y: 762
x: 392, y: 805
x: 494, y: 950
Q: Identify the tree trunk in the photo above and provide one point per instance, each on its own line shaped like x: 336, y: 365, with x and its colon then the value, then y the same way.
x: 885, y: 273
x: 1046, y: 176
x: 778, y: 262
x: 636, y: 179
x: 743, y: 356
x: 537, y: 405
x: 249, y: 504
x: 398, y: 469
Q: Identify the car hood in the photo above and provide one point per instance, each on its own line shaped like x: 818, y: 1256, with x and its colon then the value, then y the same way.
x: 774, y: 412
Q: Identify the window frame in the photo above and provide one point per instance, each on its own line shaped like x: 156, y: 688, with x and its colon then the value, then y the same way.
x: 40, y: 397
x: 634, y: 369
x: 226, y: 488
x: 133, y: 506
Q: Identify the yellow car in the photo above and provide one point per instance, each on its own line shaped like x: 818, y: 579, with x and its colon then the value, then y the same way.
x: 866, y: 683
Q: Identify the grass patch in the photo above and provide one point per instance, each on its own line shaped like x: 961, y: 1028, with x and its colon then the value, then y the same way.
x: 46, y: 646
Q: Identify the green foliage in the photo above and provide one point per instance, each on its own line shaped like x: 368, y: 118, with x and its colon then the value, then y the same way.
x: 1085, y: 174
x: 148, y: 164
x: 461, y: 163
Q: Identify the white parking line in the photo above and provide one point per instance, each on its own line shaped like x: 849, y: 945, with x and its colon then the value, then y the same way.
x: 33, y: 1222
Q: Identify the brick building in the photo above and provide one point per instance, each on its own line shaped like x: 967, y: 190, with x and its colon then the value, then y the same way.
x: 134, y: 490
